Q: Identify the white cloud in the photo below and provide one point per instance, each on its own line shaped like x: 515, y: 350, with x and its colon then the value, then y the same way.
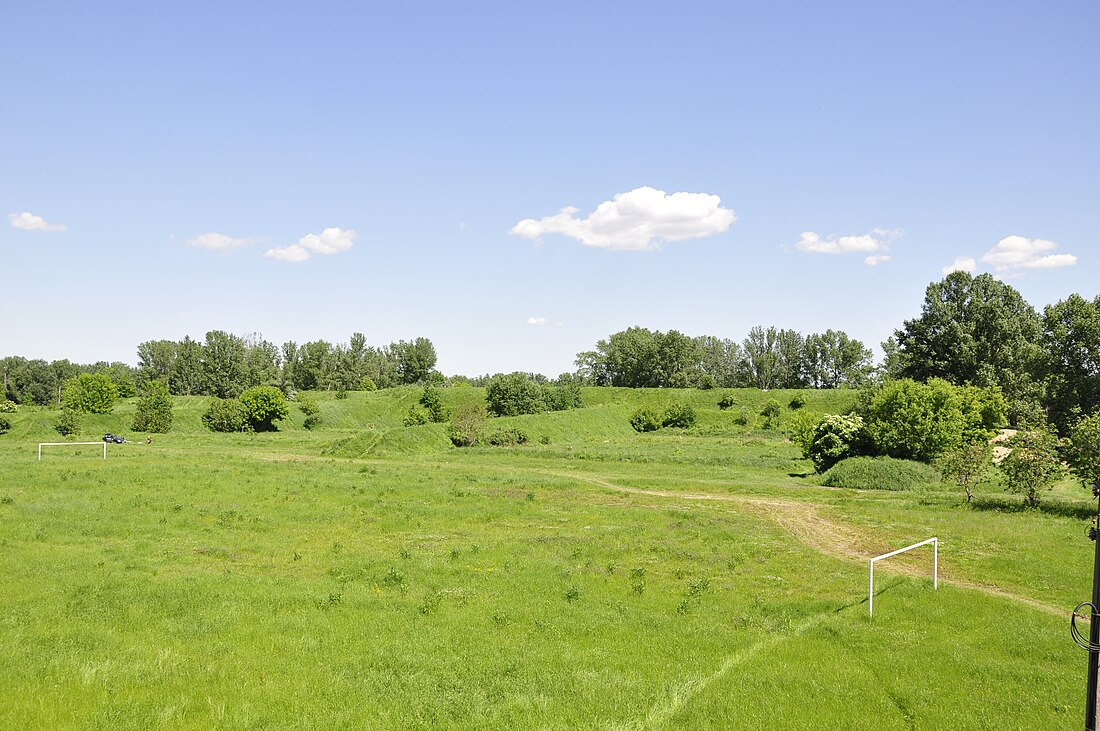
x: 30, y: 222
x: 876, y: 240
x: 639, y: 220
x: 330, y: 241
x: 1016, y: 252
x: 537, y: 321
x: 961, y: 264
x: 877, y: 259
x: 220, y: 242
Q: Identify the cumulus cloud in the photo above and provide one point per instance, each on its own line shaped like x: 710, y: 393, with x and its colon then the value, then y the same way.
x: 329, y: 241
x: 1016, y: 252
x: 221, y: 243
x: 875, y: 242
x: 537, y: 321
x: 961, y: 264
x: 30, y: 222
x: 639, y: 220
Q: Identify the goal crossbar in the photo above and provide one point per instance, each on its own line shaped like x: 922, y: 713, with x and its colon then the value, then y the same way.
x: 935, y: 568
x: 68, y: 444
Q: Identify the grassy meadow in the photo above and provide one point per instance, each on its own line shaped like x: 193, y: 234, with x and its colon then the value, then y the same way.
x: 368, y: 575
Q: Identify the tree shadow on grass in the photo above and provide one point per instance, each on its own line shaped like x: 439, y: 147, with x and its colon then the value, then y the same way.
x: 1061, y: 508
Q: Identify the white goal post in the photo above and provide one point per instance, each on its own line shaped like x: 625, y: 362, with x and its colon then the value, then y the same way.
x: 68, y: 444
x: 935, y: 568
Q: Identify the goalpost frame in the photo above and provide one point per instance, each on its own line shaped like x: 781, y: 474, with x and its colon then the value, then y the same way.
x: 68, y: 444
x: 935, y: 569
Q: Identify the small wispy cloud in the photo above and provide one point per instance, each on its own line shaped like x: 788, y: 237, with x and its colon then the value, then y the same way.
x: 1013, y: 253
x: 29, y: 222
x: 536, y: 321
x: 875, y: 242
x: 329, y: 241
x: 961, y: 264
x: 638, y: 220
x: 221, y: 243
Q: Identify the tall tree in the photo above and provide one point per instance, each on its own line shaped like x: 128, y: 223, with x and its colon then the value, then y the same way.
x: 415, y: 360
x: 974, y: 330
x: 185, y: 377
x: 223, y: 364
x: 1071, y: 336
x: 762, y: 352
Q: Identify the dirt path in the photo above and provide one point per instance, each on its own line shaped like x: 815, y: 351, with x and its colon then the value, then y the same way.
x: 806, y: 522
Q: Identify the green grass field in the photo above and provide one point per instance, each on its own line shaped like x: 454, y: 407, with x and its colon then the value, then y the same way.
x: 365, y: 575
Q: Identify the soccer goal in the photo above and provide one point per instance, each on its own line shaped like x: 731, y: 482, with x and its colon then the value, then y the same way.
x: 69, y: 444
x: 935, y: 568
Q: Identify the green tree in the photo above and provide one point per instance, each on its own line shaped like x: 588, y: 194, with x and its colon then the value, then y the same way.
x: 468, y: 424
x: 833, y: 360
x: 762, y: 353
x: 836, y: 437
x: 68, y: 423
x: 90, y: 393
x: 263, y: 406
x: 225, y: 415
x: 223, y: 364
x: 154, y: 409
x: 1083, y: 452
x: 975, y: 330
x: 1033, y: 464
x: 514, y: 394
x: 1071, y: 339
x: 432, y: 400
x: 910, y: 420
x: 965, y: 465
x: 414, y: 360
x: 186, y: 376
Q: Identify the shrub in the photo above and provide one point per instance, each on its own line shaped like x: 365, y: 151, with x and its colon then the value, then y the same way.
x: 644, y: 420
x: 366, y: 383
x: 1032, y: 465
x: 564, y: 397
x: 727, y: 402
x: 68, y: 423
x: 679, y: 415
x: 835, y: 438
x: 7, y: 407
x: 154, y: 410
x: 771, y: 412
x: 880, y: 473
x: 797, y: 402
x: 308, y: 406
x: 225, y: 415
x: 507, y: 437
x: 90, y: 393
x: 5, y: 425
x: 910, y: 420
x: 416, y: 416
x: 514, y: 394
x: 467, y: 424
x: 312, y: 421
x: 800, y: 429
x: 341, y: 393
x: 263, y: 406
x: 743, y: 417
x: 432, y: 400
x: 1084, y: 449
x: 965, y: 465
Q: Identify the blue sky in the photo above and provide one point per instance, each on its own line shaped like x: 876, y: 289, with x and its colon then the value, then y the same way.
x: 308, y: 171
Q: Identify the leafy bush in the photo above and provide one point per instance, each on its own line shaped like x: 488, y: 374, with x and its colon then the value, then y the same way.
x: 679, y: 415
x: 514, y: 394
x: 507, y: 437
x: 225, y: 415
x: 965, y: 465
x: 341, y: 393
x: 432, y: 400
x: 7, y: 407
x: 68, y: 423
x: 5, y: 425
x: 880, y: 473
x: 835, y: 438
x: 646, y: 419
x: 308, y: 406
x: 263, y: 406
x: 312, y: 421
x: 1033, y: 464
x: 416, y: 416
x: 797, y: 402
x: 743, y: 417
x: 564, y: 397
x: 800, y: 429
x: 467, y: 424
x: 1083, y: 453
x: 771, y: 412
x: 366, y: 383
x: 90, y: 393
x: 154, y: 410
x: 727, y: 402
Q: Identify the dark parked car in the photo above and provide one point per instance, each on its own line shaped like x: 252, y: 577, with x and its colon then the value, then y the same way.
x: 109, y: 437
